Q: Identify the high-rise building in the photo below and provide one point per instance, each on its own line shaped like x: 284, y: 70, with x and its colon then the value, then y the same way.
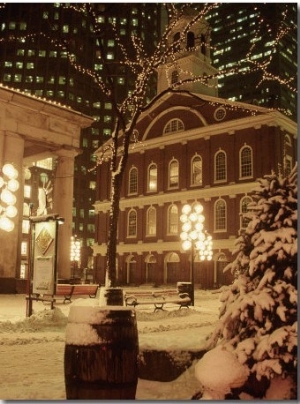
x: 244, y: 36
x: 255, y: 45
x: 40, y: 66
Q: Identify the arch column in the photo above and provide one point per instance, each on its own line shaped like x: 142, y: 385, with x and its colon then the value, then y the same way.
x: 11, y: 151
x: 63, y: 204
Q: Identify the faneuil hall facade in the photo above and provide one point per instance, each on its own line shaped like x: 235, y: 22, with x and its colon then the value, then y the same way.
x: 193, y: 147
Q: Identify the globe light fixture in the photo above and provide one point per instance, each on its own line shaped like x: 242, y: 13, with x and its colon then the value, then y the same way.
x: 194, y: 237
x: 8, y: 185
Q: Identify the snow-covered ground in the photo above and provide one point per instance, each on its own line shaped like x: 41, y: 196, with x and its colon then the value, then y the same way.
x: 32, y: 349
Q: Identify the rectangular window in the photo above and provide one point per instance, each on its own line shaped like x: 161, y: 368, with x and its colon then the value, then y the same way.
x: 25, y: 226
x: 24, y: 245
x: 17, y: 78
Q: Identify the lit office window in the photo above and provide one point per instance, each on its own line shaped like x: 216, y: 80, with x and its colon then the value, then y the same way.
x: 92, y: 185
x: 17, y: 78
x: 7, y: 77
x: 62, y: 80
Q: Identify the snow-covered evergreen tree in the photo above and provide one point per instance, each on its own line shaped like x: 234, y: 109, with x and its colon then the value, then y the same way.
x: 258, y: 316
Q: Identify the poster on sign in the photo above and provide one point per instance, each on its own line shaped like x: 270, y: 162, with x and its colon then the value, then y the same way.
x: 44, y: 257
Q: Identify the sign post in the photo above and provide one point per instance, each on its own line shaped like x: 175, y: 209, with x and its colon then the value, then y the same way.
x: 43, y: 258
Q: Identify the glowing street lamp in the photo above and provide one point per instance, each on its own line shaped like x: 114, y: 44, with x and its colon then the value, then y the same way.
x: 8, y: 185
x: 193, y: 236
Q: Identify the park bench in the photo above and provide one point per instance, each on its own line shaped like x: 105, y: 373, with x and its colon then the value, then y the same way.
x: 158, y: 298
x: 65, y: 291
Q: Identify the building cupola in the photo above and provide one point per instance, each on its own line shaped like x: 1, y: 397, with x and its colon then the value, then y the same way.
x: 191, y: 57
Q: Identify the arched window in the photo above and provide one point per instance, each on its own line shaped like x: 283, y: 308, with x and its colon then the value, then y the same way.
x: 190, y: 40
x: 132, y: 223
x: 175, y: 125
x: 244, y: 209
x: 196, y: 170
x: 151, y: 222
x: 220, y: 166
x: 173, y: 219
x: 176, y: 42
x: 220, y: 215
x: 173, y: 174
x: 246, y: 162
x: 133, y: 181
x: 174, y: 77
x: 152, y: 178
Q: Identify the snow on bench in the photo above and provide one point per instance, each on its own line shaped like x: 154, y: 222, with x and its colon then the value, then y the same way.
x: 158, y: 298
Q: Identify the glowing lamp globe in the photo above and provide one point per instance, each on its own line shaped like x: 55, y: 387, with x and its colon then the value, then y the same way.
x: 10, y: 171
x: 186, y: 245
x: 186, y: 209
x: 198, y: 208
x: 11, y: 211
x: 6, y: 224
x: 7, y: 197
x: 13, y: 185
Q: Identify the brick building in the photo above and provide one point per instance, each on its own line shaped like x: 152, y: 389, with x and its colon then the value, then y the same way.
x: 193, y: 147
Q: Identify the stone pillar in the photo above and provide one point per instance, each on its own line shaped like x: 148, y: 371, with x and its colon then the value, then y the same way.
x: 11, y: 151
x: 63, y: 204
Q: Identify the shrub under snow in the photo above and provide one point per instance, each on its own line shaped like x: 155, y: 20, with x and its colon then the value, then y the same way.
x: 258, y: 317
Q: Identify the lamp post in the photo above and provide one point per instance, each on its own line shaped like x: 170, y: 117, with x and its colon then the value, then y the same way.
x: 194, y: 236
x: 8, y: 185
x: 75, y: 253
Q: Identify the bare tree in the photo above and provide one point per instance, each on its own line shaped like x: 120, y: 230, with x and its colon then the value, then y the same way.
x: 142, y: 67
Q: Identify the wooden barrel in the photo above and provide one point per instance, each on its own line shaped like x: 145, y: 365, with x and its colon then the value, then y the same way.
x: 101, y: 353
